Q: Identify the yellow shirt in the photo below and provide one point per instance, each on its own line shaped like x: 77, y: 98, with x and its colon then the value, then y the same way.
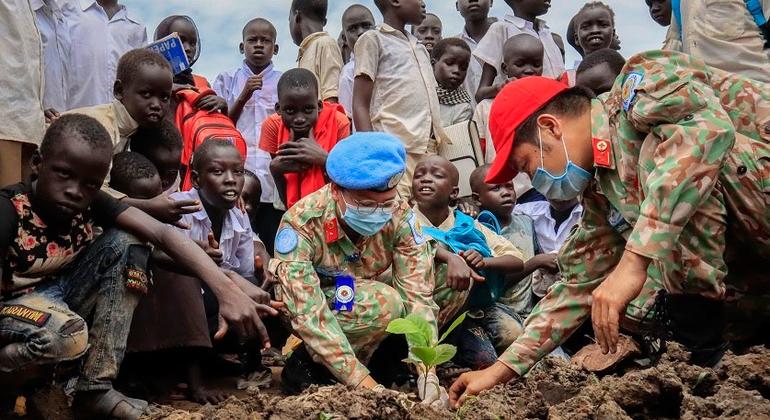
x: 320, y: 54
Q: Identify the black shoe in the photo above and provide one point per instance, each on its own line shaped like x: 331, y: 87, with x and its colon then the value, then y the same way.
x: 301, y: 371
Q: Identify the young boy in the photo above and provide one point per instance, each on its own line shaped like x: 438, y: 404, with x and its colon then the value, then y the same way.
x: 523, y: 21
x: 594, y: 27
x: 496, y: 202
x: 599, y: 70
x: 318, y: 51
x: 428, y: 32
x: 135, y: 176
x: 47, y: 241
x: 251, y: 94
x: 163, y: 147
x: 395, y: 91
x: 660, y: 11
x: 491, y: 326
x: 300, y: 136
x: 356, y: 20
x: 451, y: 58
x: 475, y: 13
x: 101, y: 32
x: 142, y: 92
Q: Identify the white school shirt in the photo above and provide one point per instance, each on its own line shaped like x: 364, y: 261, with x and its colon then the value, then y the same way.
x: 473, y: 77
x: 55, y: 38
x: 347, y: 77
x: 236, y: 240
x: 229, y: 85
x: 490, y: 48
x: 549, y: 239
x: 98, y: 42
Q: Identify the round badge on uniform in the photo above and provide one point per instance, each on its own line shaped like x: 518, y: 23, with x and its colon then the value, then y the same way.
x: 344, y: 294
x: 286, y: 241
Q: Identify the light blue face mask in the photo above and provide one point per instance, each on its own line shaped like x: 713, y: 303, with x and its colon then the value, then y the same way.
x: 567, y: 186
x: 365, y: 221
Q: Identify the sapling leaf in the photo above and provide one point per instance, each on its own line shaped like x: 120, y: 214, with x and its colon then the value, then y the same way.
x: 426, y: 355
x: 452, y: 327
x: 424, y: 328
x: 417, y: 340
x: 402, y: 326
x: 444, y: 353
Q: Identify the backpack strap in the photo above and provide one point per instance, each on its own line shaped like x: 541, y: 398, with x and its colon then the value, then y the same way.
x: 190, y: 96
x: 755, y: 8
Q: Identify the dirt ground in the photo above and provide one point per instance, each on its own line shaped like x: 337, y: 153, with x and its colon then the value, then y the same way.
x: 738, y: 389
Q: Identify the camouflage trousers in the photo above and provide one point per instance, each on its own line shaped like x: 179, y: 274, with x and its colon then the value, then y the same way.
x: 376, y: 304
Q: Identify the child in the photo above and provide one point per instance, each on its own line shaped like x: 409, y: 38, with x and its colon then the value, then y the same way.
x: 142, y: 93
x: 100, y: 32
x: 356, y: 20
x: 523, y: 20
x: 475, y: 13
x: 225, y: 234
x: 300, y: 135
x: 134, y: 175
x: 163, y: 147
x: 191, y: 40
x: 594, y: 27
x: 490, y: 326
x: 554, y: 221
x: 318, y: 51
x: 660, y: 11
x: 395, y: 91
x: 251, y: 94
x: 451, y: 58
x: 428, y: 32
x: 496, y: 203
x: 47, y: 240
x: 599, y: 70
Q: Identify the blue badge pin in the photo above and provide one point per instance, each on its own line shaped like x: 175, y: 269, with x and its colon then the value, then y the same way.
x: 632, y: 82
x: 345, y: 293
x: 419, y: 238
x: 286, y: 241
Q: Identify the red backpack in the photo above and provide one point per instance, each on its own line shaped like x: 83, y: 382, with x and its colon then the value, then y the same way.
x: 197, y: 126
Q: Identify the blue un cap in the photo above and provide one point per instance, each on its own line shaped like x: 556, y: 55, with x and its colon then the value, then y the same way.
x: 367, y: 161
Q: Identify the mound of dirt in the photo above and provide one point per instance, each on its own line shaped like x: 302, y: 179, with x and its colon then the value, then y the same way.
x: 326, y: 403
x: 674, y: 389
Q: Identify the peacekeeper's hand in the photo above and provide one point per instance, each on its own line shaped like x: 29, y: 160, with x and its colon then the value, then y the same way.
x: 459, y: 274
x: 431, y: 392
x: 169, y: 211
x: 472, y: 383
x: 613, y: 295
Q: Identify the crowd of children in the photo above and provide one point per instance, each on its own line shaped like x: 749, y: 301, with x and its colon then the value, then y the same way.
x: 163, y: 217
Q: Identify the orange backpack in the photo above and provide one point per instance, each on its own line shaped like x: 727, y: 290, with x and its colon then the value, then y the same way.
x: 197, y: 126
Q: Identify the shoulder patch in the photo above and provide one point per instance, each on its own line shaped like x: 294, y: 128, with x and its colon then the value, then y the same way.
x: 286, y: 241
x: 632, y: 82
x: 419, y: 238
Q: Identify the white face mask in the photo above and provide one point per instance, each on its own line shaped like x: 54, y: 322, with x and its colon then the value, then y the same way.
x: 566, y: 186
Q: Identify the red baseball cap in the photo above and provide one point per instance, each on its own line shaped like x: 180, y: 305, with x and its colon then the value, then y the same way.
x: 516, y: 102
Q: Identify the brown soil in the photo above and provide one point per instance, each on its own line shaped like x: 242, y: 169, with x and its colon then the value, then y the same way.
x: 673, y: 389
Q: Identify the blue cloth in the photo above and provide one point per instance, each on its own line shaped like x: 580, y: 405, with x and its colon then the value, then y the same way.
x: 464, y: 236
x: 367, y: 161
x: 489, y: 220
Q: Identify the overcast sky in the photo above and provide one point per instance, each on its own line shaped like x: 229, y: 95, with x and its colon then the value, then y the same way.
x: 220, y: 23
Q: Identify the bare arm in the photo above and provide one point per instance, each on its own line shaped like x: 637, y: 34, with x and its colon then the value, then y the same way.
x: 363, y: 87
x: 487, y: 89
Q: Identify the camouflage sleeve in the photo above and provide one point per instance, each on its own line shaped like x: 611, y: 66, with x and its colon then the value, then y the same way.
x: 413, y: 275
x: 589, y: 255
x: 690, y: 137
x: 311, y: 318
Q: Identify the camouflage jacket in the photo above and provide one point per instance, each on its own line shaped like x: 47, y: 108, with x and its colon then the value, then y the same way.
x: 676, y: 130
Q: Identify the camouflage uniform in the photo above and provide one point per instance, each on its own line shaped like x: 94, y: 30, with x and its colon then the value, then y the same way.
x: 344, y: 341
x: 690, y: 178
